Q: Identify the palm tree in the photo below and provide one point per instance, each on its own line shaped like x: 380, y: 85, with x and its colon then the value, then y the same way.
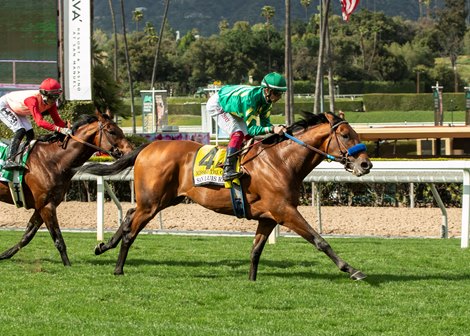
x: 268, y: 13
x: 113, y: 20
x: 128, y: 63
x: 325, y: 6
x: 150, y: 33
x: 137, y: 16
x: 157, y: 51
x: 289, y: 101
x: 305, y: 4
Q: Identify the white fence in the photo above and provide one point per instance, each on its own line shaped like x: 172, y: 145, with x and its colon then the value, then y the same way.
x: 450, y: 171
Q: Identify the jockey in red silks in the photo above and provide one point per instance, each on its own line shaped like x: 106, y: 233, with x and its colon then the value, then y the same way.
x: 235, y: 109
x: 16, y: 106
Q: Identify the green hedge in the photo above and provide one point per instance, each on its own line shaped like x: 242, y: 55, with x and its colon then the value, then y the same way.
x: 358, y: 87
x: 278, y: 108
x: 412, y: 102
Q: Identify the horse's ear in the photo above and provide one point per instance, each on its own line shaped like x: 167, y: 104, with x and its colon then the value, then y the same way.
x: 98, y: 114
x: 109, y: 113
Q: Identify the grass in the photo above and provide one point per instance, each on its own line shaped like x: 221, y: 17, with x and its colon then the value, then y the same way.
x: 177, y: 285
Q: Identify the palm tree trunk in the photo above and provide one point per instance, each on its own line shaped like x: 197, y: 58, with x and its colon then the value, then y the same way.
x: 157, y: 51
x: 113, y: 20
x: 128, y: 63
x: 318, y: 104
x: 329, y: 64
x: 289, y: 99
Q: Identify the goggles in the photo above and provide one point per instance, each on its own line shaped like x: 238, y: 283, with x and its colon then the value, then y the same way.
x: 53, y: 96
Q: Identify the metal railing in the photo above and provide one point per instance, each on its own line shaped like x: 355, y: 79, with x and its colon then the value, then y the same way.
x: 450, y: 171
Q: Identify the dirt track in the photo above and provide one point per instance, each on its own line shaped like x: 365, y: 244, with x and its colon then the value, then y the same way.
x: 420, y: 222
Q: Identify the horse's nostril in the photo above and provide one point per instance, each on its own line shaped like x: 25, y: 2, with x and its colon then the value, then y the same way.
x: 366, y: 165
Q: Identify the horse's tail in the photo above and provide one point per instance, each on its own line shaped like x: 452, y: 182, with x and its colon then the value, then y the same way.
x: 117, y: 166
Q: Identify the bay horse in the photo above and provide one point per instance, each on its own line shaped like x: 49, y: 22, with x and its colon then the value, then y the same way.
x: 274, y: 173
x: 50, y: 168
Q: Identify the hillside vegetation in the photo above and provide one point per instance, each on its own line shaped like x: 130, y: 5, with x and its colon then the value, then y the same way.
x: 184, y: 15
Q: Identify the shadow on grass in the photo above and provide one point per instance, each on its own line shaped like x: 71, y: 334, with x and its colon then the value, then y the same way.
x: 379, y: 279
x: 136, y: 262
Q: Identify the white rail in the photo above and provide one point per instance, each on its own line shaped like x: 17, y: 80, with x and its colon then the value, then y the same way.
x: 449, y: 171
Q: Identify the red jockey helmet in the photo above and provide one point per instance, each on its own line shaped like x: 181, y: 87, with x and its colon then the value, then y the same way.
x: 50, y: 87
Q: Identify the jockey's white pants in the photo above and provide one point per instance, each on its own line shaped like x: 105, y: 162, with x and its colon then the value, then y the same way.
x: 229, y: 123
x: 11, y: 119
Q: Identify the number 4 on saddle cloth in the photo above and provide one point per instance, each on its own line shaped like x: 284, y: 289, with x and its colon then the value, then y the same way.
x: 208, y: 169
x: 14, y: 177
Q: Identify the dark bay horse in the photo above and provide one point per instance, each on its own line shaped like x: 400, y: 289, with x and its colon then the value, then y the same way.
x: 274, y: 173
x: 50, y: 168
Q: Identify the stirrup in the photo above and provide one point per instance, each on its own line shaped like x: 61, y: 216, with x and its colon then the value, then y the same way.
x: 231, y: 175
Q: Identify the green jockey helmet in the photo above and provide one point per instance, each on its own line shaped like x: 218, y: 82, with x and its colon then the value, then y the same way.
x: 274, y: 81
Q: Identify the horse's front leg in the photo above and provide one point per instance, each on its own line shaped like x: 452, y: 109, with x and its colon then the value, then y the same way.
x: 116, y: 238
x: 34, y: 224
x: 292, y: 219
x: 264, y: 229
x: 49, y: 214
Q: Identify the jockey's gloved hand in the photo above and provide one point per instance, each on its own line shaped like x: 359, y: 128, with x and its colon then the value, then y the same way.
x: 63, y: 130
x: 279, y: 129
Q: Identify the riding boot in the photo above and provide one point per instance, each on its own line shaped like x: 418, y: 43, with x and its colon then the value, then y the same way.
x: 10, y: 163
x: 230, y: 172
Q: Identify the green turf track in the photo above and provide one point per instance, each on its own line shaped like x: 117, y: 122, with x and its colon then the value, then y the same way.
x: 183, y: 285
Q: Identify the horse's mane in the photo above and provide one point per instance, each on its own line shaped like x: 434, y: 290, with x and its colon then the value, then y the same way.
x: 308, y: 119
x: 83, y: 120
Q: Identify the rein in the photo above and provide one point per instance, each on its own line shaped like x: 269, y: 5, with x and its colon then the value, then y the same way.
x: 343, y: 159
x: 99, y: 149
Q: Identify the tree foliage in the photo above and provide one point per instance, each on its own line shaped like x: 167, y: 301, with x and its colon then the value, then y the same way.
x: 371, y: 46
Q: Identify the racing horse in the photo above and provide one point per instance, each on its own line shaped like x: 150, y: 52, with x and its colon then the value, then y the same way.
x: 50, y: 167
x: 274, y: 173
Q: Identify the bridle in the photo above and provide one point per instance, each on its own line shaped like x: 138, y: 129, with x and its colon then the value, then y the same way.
x: 114, y: 152
x: 346, y: 153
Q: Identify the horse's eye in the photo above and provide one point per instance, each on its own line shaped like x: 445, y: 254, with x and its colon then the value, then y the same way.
x: 345, y: 136
x: 112, y: 132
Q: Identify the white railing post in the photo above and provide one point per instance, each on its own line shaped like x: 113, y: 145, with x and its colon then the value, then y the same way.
x: 99, y: 208
x: 465, y: 208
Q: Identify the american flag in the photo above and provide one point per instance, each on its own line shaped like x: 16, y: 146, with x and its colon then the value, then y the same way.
x: 347, y: 7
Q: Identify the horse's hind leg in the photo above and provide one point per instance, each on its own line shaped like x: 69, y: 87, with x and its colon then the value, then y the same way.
x: 265, y: 227
x: 33, y: 226
x: 116, y: 238
x: 49, y: 214
x: 139, y: 220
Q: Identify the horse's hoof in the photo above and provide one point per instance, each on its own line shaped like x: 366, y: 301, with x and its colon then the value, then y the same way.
x: 118, y: 273
x: 358, y: 275
x: 98, y: 249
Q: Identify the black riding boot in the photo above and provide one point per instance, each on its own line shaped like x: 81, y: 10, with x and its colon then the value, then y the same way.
x: 230, y: 172
x: 10, y: 163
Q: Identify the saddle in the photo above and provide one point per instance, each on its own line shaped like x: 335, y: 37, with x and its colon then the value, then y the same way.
x: 208, y: 170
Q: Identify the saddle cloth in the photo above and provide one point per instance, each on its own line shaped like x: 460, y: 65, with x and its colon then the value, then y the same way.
x: 208, y: 166
x: 208, y: 169
x: 14, y: 177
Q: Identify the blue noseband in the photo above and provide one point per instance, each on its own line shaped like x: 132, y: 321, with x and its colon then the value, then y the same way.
x: 356, y: 149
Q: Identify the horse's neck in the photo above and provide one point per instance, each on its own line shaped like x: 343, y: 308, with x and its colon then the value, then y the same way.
x: 297, y: 160
x: 68, y: 156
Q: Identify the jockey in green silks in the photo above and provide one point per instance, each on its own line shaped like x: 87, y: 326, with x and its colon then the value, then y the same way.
x: 235, y: 109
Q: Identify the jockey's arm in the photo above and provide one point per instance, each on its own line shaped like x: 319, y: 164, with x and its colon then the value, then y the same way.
x: 32, y: 105
x: 56, y: 117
